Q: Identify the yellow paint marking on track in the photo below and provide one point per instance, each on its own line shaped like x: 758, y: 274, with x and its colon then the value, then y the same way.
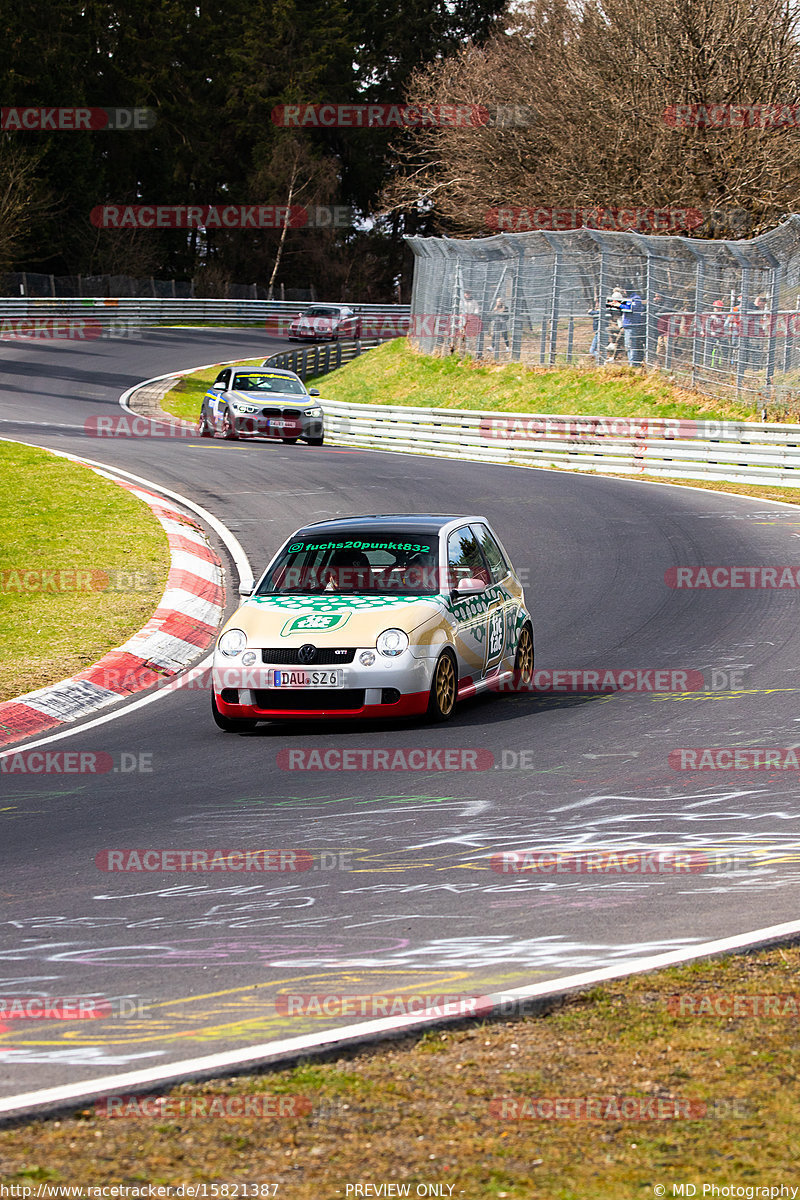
x: 158, y: 1030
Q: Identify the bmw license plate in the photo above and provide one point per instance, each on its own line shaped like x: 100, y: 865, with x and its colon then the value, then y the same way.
x: 282, y: 424
x: 305, y: 679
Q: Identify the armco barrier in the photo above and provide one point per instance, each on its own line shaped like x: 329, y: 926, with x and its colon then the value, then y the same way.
x: 320, y: 358
x: 152, y: 311
x: 745, y: 451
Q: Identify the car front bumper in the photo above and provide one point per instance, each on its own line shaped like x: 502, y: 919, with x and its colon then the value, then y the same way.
x: 389, y: 688
x: 256, y: 425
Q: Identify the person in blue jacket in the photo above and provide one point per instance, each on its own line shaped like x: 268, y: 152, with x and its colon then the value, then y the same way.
x: 633, y: 327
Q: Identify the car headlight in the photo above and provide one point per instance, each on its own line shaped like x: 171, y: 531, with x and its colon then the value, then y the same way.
x: 312, y: 412
x: 232, y: 642
x: 392, y: 642
x: 244, y: 408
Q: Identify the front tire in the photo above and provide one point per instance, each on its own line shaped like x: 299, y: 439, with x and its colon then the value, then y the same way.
x: 288, y: 441
x: 229, y: 427
x: 444, y: 688
x: 523, y: 660
x: 203, y: 427
x: 230, y: 724
x: 316, y: 441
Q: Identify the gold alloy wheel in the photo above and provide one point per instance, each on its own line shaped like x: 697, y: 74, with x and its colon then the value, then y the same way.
x: 445, y: 685
x: 523, y: 664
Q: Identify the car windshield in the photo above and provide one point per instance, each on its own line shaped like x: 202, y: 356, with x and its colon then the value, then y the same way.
x: 256, y: 381
x: 321, y: 312
x: 368, y: 563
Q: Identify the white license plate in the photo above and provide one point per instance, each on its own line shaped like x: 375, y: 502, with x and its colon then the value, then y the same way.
x: 305, y: 679
x: 283, y: 424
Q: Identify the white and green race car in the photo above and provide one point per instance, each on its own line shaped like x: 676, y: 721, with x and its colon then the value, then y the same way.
x: 375, y: 616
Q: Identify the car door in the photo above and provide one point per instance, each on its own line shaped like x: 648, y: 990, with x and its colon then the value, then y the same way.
x: 468, y: 610
x: 216, y: 399
x: 502, y: 605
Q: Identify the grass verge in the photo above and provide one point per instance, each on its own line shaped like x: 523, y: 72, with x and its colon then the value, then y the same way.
x: 58, y: 517
x: 396, y: 374
x: 417, y: 1111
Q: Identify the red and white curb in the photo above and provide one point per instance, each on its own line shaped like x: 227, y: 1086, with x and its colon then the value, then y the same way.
x: 185, y: 622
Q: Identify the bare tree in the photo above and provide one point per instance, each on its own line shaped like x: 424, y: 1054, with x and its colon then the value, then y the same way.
x: 23, y: 198
x: 599, y: 81
x: 300, y: 179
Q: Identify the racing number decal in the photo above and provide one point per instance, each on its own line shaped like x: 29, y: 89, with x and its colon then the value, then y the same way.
x: 497, y: 636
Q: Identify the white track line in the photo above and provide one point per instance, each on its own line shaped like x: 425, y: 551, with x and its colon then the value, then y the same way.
x: 271, y: 1052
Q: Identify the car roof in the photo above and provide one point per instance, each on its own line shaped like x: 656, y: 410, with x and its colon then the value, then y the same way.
x: 419, y: 522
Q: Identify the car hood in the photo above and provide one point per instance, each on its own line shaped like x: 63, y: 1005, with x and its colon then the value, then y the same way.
x: 270, y: 399
x: 328, y: 619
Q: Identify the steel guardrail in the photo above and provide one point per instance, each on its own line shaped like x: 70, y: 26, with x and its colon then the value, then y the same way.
x: 153, y: 310
x: 740, y: 451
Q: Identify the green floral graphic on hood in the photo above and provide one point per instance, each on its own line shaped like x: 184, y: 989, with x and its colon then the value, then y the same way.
x: 331, y: 603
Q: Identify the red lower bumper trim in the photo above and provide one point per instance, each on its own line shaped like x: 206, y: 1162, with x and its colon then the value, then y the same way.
x: 412, y: 704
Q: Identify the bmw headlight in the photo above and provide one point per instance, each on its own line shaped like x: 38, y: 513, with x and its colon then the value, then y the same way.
x: 392, y: 642
x: 244, y: 408
x: 312, y: 412
x: 232, y: 642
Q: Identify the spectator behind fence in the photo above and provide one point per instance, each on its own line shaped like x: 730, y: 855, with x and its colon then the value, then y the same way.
x: 633, y: 328
x: 615, y: 331
x: 500, y: 321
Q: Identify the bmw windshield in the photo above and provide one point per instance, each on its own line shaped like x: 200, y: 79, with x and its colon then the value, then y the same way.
x: 255, y: 381
x: 369, y: 564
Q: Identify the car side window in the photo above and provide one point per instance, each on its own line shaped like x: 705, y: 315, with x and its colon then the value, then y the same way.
x: 492, y: 553
x: 223, y: 377
x: 464, y: 558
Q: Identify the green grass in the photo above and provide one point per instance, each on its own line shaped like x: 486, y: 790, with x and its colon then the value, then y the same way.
x: 417, y: 1109
x: 396, y: 374
x: 56, y: 515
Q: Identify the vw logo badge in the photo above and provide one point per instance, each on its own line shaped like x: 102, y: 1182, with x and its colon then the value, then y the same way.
x: 307, y: 653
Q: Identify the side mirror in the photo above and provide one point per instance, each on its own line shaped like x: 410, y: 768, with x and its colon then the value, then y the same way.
x: 468, y: 587
x: 313, y: 391
x: 218, y: 385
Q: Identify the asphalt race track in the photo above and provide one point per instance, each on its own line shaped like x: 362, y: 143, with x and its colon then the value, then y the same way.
x: 413, y: 904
